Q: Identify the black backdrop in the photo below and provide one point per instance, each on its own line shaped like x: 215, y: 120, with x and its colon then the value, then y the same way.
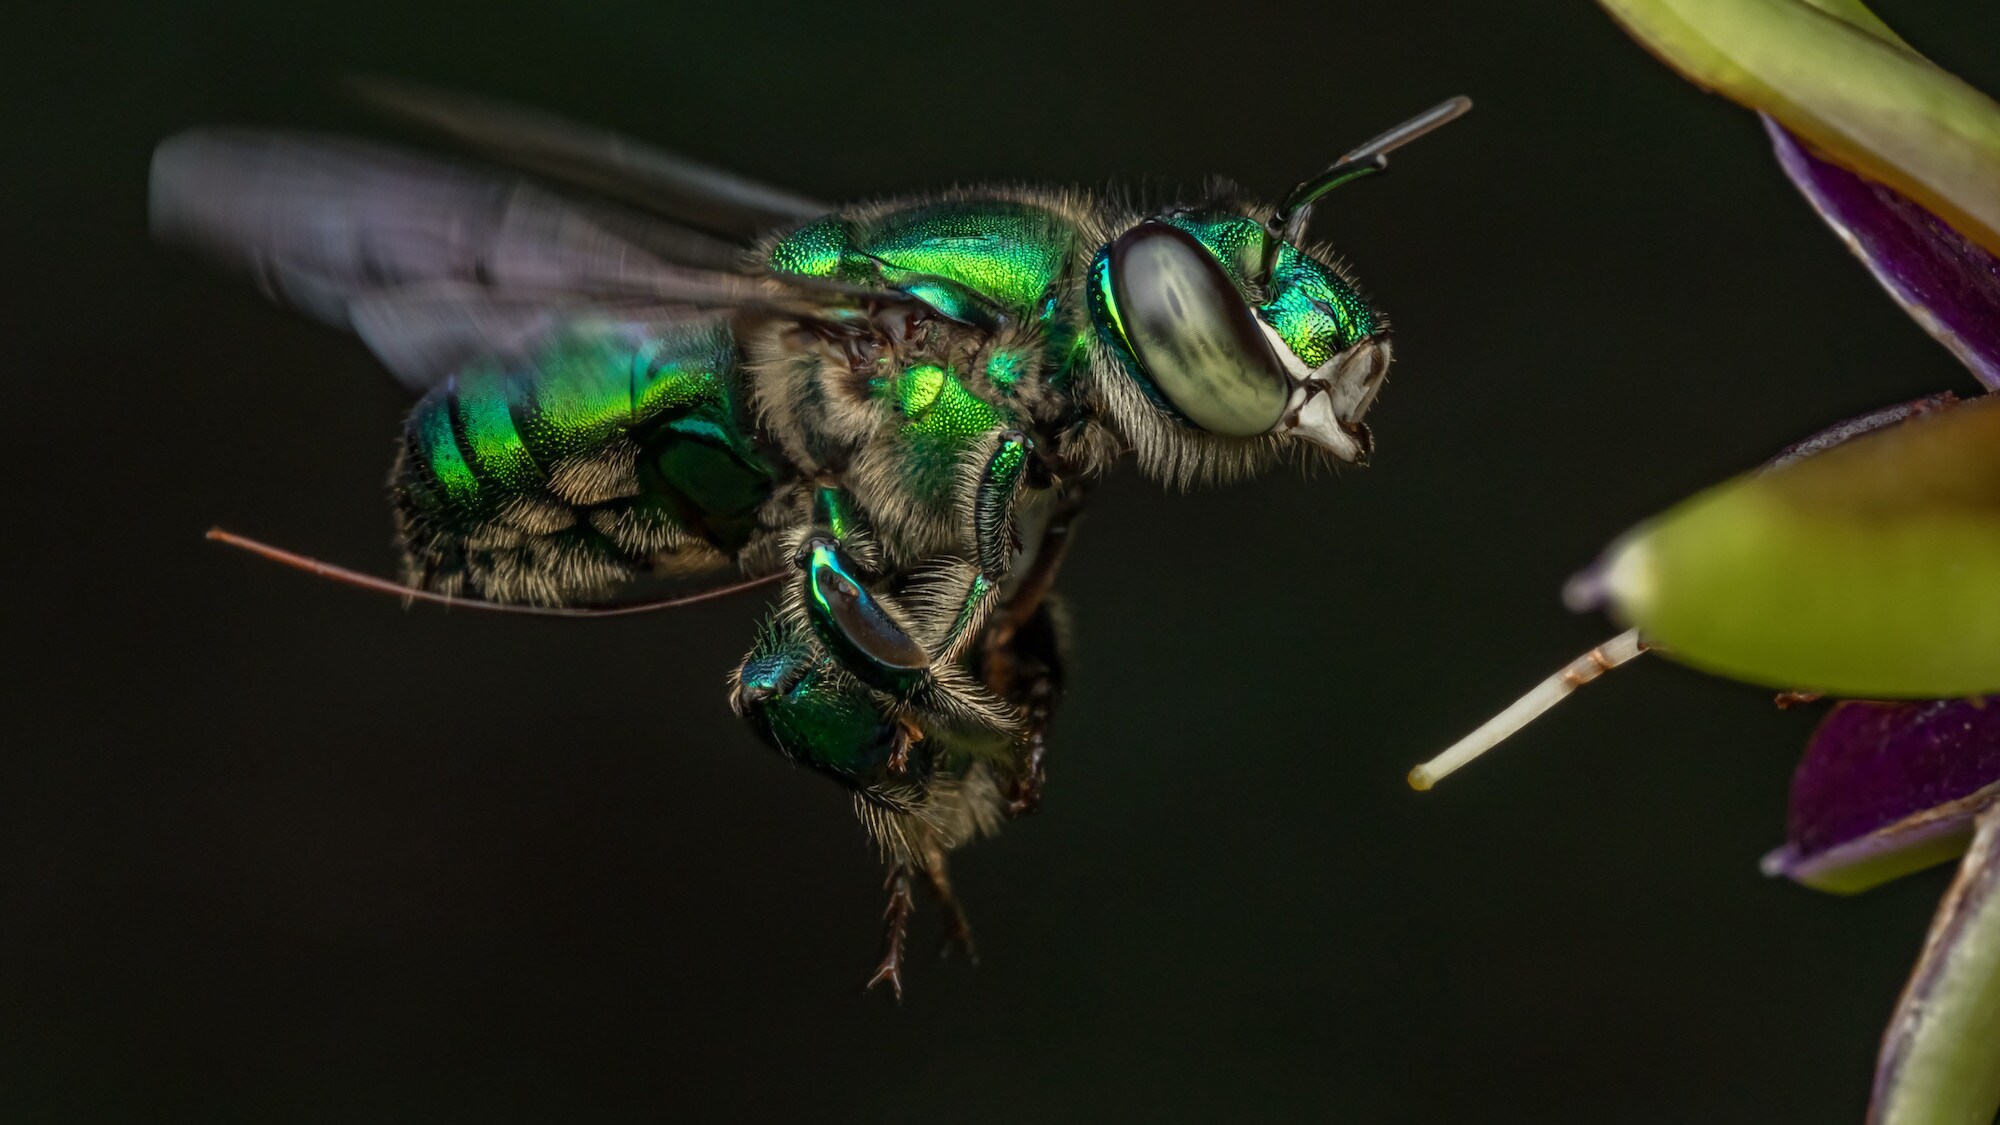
x: 274, y: 850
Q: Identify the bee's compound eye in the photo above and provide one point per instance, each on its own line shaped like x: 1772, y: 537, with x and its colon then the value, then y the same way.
x: 1191, y: 331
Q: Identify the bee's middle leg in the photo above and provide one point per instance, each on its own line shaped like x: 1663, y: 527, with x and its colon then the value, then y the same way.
x: 912, y: 651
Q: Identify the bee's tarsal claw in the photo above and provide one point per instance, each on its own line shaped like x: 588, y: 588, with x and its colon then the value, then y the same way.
x: 889, y: 972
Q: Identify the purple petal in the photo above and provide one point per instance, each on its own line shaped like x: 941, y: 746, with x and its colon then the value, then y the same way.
x: 1888, y: 788
x: 1947, y: 283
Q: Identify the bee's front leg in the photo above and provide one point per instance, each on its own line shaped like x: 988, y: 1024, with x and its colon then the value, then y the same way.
x: 912, y: 652
x: 992, y: 495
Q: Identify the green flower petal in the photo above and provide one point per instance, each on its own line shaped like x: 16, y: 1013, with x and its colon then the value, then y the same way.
x: 1940, y: 1060
x: 1832, y: 73
x: 1857, y: 14
x: 1870, y: 570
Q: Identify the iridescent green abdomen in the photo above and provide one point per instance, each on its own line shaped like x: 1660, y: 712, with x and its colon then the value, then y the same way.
x: 1010, y: 254
x: 612, y: 438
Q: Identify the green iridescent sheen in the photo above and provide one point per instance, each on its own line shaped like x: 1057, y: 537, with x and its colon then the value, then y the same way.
x: 1312, y: 310
x: 952, y: 256
x: 578, y: 394
x: 948, y: 297
x: 1237, y: 241
x: 856, y: 627
x: 1004, y: 368
x: 1009, y: 253
x: 834, y: 513
x: 493, y: 444
x: 974, y: 595
x: 812, y: 714
x: 584, y: 391
x: 947, y: 409
x: 687, y: 381
x: 702, y: 466
x: 1111, y: 326
x: 822, y: 558
x: 777, y: 660
x: 1315, y: 313
x: 917, y: 388
x: 1078, y: 353
x: 839, y: 731
x: 941, y: 418
x: 1007, y: 460
x: 432, y: 436
x: 493, y: 433
x: 1103, y: 300
x: 995, y: 499
x: 815, y: 250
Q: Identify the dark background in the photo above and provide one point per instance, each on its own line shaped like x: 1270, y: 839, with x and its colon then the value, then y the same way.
x: 275, y: 850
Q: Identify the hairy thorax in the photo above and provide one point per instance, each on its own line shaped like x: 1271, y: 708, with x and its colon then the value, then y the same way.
x: 981, y: 333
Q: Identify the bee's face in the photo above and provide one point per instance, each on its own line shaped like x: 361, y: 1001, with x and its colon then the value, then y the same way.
x: 1236, y: 341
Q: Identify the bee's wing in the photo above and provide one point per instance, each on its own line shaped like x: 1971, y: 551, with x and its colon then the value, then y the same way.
x: 600, y: 161
x: 427, y: 259
x: 423, y: 333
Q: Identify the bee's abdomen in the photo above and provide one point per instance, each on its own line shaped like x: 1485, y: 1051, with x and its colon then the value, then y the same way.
x: 463, y: 455
x: 558, y: 477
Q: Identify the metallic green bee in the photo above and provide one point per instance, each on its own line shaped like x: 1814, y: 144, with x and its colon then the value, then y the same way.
x: 653, y: 368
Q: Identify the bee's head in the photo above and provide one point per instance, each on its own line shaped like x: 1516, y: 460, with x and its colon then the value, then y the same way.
x: 1241, y: 341
x: 1232, y: 346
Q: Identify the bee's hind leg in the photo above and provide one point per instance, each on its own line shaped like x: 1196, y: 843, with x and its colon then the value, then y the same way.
x: 957, y: 929
x: 896, y: 919
x: 895, y: 929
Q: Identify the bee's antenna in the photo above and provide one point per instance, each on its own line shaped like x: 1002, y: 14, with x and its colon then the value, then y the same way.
x: 384, y: 586
x: 1619, y: 649
x: 1289, y: 224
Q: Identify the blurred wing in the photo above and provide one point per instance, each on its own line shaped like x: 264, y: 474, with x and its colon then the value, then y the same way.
x: 600, y: 161
x: 433, y: 263
x: 424, y: 333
